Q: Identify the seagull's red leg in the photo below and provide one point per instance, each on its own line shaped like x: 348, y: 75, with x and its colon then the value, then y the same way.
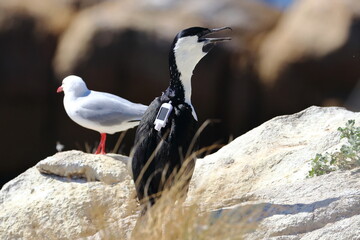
x: 101, y: 147
x: 98, y: 149
x: 103, y: 140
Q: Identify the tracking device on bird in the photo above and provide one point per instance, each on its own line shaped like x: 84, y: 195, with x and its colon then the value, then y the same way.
x: 163, y: 115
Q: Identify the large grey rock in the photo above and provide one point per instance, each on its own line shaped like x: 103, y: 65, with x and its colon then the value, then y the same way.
x: 325, y: 207
x: 266, y: 170
x: 277, y: 152
x: 259, y: 179
x: 78, y: 195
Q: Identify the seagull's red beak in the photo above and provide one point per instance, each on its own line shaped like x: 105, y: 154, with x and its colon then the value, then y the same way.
x: 60, y: 89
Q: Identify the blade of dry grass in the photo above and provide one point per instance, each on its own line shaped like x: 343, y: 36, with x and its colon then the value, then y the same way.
x: 119, y: 141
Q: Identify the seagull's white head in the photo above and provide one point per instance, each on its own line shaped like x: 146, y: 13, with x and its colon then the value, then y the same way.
x: 73, y: 85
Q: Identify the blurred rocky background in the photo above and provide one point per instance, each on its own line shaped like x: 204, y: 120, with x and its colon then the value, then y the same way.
x: 284, y: 56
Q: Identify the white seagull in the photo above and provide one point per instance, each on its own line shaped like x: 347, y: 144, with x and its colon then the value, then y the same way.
x: 99, y: 111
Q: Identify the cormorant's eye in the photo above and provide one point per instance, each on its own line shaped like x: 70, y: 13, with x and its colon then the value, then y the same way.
x: 201, y: 39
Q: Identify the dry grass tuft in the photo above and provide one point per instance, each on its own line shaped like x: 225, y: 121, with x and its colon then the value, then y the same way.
x: 170, y: 219
x: 166, y: 220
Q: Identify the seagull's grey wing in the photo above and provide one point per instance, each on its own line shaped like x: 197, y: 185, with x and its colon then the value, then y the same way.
x: 107, y: 109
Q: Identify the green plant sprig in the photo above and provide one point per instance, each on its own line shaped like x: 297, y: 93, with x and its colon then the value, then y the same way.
x: 347, y: 158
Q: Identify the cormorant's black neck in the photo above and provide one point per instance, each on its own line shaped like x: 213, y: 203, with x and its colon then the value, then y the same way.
x: 176, y: 89
x: 179, y: 90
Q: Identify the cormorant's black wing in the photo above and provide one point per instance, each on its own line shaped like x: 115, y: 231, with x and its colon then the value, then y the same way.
x: 145, y: 144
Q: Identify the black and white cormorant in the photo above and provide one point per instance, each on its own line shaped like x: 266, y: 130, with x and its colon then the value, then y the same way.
x: 169, y: 124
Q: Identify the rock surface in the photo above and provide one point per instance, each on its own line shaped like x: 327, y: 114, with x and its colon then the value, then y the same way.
x: 260, y: 177
x: 325, y: 207
x: 276, y: 152
x: 266, y: 169
x: 78, y: 196
x: 75, y: 164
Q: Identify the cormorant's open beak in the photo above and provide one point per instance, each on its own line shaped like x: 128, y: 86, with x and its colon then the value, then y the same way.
x: 209, y: 43
x: 214, y: 40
